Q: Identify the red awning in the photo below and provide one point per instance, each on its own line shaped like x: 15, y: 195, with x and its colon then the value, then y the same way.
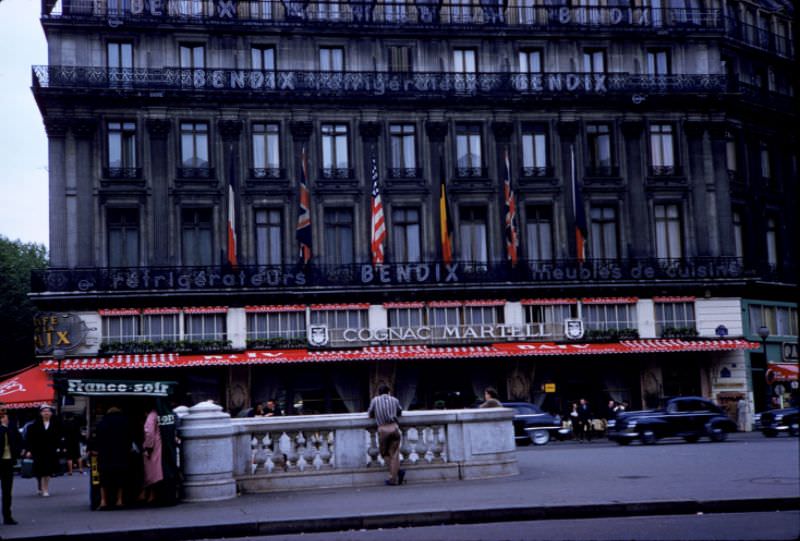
x: 372, y: 353
x: 27, y: 389
x: 777, y: 372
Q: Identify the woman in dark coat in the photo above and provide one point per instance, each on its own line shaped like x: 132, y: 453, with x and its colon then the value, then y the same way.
x: 113, y: 446
x: 43, y: 441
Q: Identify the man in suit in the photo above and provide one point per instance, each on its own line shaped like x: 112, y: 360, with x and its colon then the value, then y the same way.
x: 10, y: 449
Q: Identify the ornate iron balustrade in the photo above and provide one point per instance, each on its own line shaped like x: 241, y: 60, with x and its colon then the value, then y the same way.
x: 266, y: 173
x: 195, y: 173
x: 481, y: 13
x: 536, y: 172
x: 122, y: 173
x: 472, y: 172
x: 336, y: 173
x: 404, y: 172
x: 602, y: 171
x: 760, y: 38
x: 665, y: 170
x: 249, y: 278
x: 359, y: 84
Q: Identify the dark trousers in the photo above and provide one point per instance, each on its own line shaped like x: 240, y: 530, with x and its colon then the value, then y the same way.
x: 7, y: 481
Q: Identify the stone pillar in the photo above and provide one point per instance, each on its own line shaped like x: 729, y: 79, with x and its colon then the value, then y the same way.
x: 641, y: 242
x: 84, y: 130
x: 230, y: 132
x: 699, y: 185
x: 724, y: 215
x: 56, y: 129
x: 568, y: 131
x: 207, y: 441
x: 160, y: 211
x: 437, y: 131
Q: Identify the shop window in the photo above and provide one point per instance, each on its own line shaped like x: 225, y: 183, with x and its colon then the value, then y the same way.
x: 281, y: 327
x: 205, y: 326
x: 675, y: 319
x: 338, y: 321
x: 780, y: 320
x: 605, y: 317
x: 121, y: 328
x: 444, y: 316
x: 406, y: 317
x: 160, y: 327
x: 548, y: 319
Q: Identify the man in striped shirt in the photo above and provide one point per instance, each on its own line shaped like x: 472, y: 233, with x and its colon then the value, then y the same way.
x: 385, y: 409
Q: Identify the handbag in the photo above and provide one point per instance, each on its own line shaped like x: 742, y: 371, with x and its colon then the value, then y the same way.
x: 26, y: 469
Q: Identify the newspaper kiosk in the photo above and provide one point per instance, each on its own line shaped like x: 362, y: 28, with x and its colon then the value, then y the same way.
x: 136, y: 398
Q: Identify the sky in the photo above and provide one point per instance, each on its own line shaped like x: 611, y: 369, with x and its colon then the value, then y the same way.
x: 23, y: 142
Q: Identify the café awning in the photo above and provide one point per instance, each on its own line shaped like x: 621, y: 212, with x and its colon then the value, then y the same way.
x: 780, y: 372
x: 405, y: 352
x: 27, y: 389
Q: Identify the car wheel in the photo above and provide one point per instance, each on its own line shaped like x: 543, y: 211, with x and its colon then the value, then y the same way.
x: 623, y: 442
x: 648, y: 437
x: 769, y: 433
x: 717, y: 434
x: 691, y: 439
x: 794, y: 429
x: 540, y: 437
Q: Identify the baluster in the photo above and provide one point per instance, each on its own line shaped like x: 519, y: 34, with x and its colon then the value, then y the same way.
x: 440, y: 448
x: 269, y: 454
x: 372, y: 447
x: 292, y: 455
x: 429, y: 441
x: 325, y: 454
x: 413, y: 440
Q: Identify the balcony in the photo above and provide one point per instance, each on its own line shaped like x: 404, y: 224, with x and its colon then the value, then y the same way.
x: 381, y: 15
x: 337, y: 173
x: 196, y: 173
x: 266, y: 174
x: 156, y: 83
x: 472, y: 173
x: 759, y: 38
x: 399, y: 173
x: 458, y: 276
x: 122, y: 173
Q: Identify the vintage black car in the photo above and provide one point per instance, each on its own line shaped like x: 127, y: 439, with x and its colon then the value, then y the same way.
x: 687, y: 417
x: 531, y: 424
x: 787, y: 420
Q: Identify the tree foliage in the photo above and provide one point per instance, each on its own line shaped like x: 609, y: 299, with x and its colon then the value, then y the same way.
x: 17, y: 259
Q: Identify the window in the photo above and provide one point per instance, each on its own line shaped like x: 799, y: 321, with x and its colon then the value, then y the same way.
x: 472, y: 234
x: 160, y: 327
x: 601, y: 317
x: 263, y: 57
x: 194, y: 144
x: 594, y: 61
x: 331, y: 59
x: 444, y: 316
x: 120, y: 55
x: 534, y: 151
x: 539, y: 232
x: 483, y: 315
x: 658, y: 62
x: 193, y: 56
x: 465, y: 61
x: 731, y: 154
x: 339, y: 320
x: 603, y: 232
x: 288, y: 325
x: 400, y: 58
x: 123, y: 237
x: 120, y: 328
x: 205, y: 327
x: 738, y: 234
x: 405, y: 317
x: 671, y: 316
x: 780, y: 320
x: 403, y: 153
x: 328, y: 11
x: 598, y: 138
x: 335, y: 158
x: 460, y: 11
x: 468, y: 150
x: 772, y: 242
x: 764, y: 161
x: 121, y: 148
x: 406, y: 234
x: 339, y: 248
x: 662, y: 156
x: 548, y: 319
x: 268, y: 237
x: 266, y: 153
x: 668, y: 231
x: 530, y: 61
x: 197, y: 246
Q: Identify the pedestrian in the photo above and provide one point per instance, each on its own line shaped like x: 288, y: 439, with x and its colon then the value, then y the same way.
x: 385, y: 409
x: 490, y: 399
x: 611, y: 413
x: 113, y: 444
x: 11, y: 442
x: 585, y: 418
x: 574, y: 419
x: 272, y: 409
x: 153, y: 470
x: 72, y: 442
x: 42, y: 445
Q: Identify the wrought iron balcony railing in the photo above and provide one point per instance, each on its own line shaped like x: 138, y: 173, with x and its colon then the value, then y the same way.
x: 336, y: 173
x: 477, y: 172
x: 360, y: 84
x: 560, y: 273
x: 404, y: 172
x: 759, y: 38
x: 122, y: 173
x: 665, y: 170
x: 195, y: 173
x: 536, y: 172
x: 515, y: 13
x: 266, y: 173
x: 602, y: 171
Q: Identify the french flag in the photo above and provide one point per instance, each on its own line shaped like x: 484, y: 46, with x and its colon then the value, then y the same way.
x: 232, y: 258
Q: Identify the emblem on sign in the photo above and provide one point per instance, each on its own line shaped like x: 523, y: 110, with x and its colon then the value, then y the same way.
x: 318, y: 335
x: 573, y: 329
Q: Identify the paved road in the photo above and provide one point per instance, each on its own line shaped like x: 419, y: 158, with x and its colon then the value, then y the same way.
x: 563, y: 479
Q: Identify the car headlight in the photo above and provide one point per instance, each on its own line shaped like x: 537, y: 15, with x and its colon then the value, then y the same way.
x: 632, y: 424
x: 612, y: 423
x: 779, y: 417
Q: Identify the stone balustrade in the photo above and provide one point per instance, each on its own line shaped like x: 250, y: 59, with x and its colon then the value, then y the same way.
x: 222, y: 455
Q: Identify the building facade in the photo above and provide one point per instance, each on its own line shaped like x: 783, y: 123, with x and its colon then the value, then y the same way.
x: 577, y: 198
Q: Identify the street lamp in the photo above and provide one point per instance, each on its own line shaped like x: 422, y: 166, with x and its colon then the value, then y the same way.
x: 58, y: 380
x: 763, y: 332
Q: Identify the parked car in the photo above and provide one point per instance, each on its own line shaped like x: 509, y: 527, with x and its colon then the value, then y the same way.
x: 687, y: 417
x: 531, y: 424
x: 773, y: 422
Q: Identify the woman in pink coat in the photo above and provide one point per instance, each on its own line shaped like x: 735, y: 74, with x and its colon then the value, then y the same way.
x: 153, y: 472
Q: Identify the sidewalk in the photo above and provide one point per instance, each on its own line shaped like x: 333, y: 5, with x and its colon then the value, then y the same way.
x: 562, y: 479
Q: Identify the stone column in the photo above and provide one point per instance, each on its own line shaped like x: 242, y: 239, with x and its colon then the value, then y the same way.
x: 437, y: 132
x: 207, y: 442
x: 698, y: 183
x: 641, y: 242
x: 724, y: 215
x: 84, y: 130
x: 160, y: 209
x: 568, y: 131
x: 230, y: 132
x: 56, y: 129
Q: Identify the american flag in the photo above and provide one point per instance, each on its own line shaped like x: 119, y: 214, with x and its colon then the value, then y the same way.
x: 303, y: 232
x: 511, y: 230
x: 232, y: 258
x: 378, y: 223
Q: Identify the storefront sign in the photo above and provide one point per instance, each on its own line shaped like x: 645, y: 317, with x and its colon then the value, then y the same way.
x: 58, y: 331
x: 444, y: 332
x: 549, y: 387
x: 789, y: 351
x: 573, y: 329
x: 86, y: 387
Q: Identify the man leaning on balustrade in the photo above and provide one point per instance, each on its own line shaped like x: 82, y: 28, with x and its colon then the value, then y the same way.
x: 385, y: 409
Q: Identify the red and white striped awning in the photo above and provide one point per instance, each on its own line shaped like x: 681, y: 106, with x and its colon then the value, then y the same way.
x: 374, y: 353
x: 27, y: 389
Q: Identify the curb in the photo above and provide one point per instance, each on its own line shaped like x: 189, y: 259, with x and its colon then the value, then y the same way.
x: 435, y: 518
